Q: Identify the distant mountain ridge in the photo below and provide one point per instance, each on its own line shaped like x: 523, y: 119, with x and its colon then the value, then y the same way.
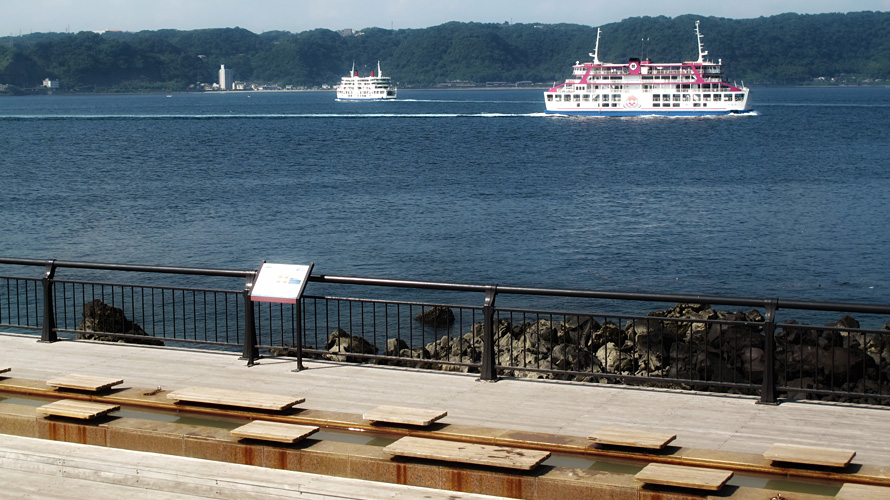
x: 851, y: 48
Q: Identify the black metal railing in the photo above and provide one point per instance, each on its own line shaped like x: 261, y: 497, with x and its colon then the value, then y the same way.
x: 606, y: 337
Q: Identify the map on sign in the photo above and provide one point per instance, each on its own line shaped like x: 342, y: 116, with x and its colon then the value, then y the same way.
x: 280, y: 283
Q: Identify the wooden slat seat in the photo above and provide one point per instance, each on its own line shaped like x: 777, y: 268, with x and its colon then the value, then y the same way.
x: 401, y: 415
x: 280, y: 432
x: 850, y: 491
x: 809, y: 455
x: 698, y: 478
x: 72, y: 408
x: 83, y: 382
x: 240, y: 399
x: 454, y: 451
x: 632, y: 438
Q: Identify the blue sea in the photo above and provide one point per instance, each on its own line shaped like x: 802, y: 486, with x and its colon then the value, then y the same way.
x: 480, y: 187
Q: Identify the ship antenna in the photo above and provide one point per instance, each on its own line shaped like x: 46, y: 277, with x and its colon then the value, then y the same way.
x: 596, y: 49
x: 701, y: 46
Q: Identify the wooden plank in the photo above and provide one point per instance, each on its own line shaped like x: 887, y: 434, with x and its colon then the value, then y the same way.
x: 632, y: 438
x: 240, y: 399
x: 850, y: 491
x: 83, y: 382
x: 280, y: 432
x: 402, y: 415
x: 5, y: 369
x: 73, y: 408
x: 809, y: 455
x: 684, y: 477
x: 454, y: 451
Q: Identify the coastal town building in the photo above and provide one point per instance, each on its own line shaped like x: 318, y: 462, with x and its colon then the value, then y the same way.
x: 226, y: 78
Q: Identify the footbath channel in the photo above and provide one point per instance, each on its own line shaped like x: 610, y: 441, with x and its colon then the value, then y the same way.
x: 382, y: 438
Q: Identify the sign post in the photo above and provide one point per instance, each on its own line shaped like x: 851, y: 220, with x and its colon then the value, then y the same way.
x: 283, y: 284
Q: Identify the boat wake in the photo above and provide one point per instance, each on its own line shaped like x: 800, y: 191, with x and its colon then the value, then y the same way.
x: 348, y: 116
x: 461, y: 101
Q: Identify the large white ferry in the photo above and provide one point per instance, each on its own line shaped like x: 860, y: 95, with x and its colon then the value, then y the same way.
x: 642, y: 87
x: 365, y: 88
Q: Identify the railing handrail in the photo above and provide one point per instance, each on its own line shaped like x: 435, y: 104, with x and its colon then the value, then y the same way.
x: 488, y: 362
x: 465, y: 287
x: 231, y: 273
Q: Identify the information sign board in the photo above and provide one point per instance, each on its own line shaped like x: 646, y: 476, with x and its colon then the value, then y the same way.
x: 280, y: 283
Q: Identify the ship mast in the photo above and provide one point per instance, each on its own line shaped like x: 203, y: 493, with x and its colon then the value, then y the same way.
x: 701, y: 46
x: 596, y: 49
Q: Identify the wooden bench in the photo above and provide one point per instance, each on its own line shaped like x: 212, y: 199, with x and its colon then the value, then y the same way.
x: 809, y: 455
x: 400, y: 415
x: 72, y: 408
x: 83, y: 382
x: 684, y: 477
x: 240, y: 399
x: 850, y: 491
x: 454, y: 451
x: 280, y: 432
x: 631, y: 438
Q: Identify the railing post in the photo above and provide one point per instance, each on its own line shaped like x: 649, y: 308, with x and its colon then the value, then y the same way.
x: 298, y: 311
x: 768, y: 391
x: 49, y: 306
x: 488, y: 371
x: 249, y: 351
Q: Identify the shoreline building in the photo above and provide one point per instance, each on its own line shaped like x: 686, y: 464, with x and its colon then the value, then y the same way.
x: 226, y: 78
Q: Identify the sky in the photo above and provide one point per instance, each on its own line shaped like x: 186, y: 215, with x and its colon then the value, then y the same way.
x: 32, y: 16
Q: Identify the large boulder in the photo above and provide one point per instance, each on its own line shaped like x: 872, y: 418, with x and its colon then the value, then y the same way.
x: 103, y: 318
x: 341, y: 342
x: 437, y: 317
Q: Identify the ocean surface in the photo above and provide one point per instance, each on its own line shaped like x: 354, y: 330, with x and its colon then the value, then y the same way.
x: 791, y: 201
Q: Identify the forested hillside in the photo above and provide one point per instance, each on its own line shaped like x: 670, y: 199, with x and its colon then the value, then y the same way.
x: 785, y: 49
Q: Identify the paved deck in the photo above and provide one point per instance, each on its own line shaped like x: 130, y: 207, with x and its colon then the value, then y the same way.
x: 703, y: 421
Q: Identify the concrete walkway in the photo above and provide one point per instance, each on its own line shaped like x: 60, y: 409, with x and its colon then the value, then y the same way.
x: 703, y: 421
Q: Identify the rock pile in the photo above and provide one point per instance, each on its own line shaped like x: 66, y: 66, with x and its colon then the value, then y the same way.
x: 693, y: 344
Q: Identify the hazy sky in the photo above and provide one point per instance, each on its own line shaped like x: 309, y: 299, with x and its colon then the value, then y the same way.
x: 27, y: 16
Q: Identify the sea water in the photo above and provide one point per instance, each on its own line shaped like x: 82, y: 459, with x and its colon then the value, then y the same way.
x: 790, y: 201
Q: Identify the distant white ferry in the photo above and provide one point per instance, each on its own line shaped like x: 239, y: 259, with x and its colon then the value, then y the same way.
x: 642, y: 87
x: 368, y: 88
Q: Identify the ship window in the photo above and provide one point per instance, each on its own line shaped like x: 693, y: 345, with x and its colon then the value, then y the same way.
x: 585, y: 97
x: 718, y: 97
x: 549, y: 97
x: 656, y: 104
x: 676, y: 97
x: 696, y: 105
x: 676, y: 104
x: 706, y: 97
x: 739, y: 97
x: 685, y: 97
x: 605, y: 97
x: 696, y: 97
x: 577, y: 97
x: 616, y: 97
x: 656, y: 98
x: 665, y: 97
